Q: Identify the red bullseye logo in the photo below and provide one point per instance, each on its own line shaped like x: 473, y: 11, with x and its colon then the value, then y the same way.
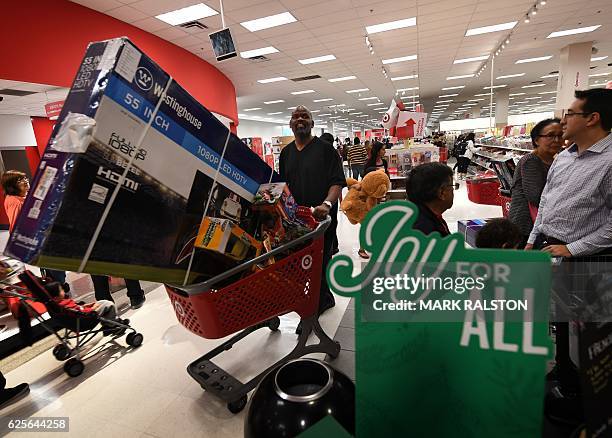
x: 306, y: 262
x: 179, y: 309
x: 386, y: 118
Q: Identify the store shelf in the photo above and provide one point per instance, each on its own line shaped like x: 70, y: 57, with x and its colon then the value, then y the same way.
x: 510, y: 148
x: 482, y: 164
x: 492, y: 156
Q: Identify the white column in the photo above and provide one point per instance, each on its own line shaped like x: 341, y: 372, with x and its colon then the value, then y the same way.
x: 574, y: 63
x: 501, y: 107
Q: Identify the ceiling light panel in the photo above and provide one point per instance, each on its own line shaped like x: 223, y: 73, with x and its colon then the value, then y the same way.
x: 273, y: 101
x: 533, y: 86
x: 401, y: 78
x: 190, y: 13
x: 598, y: 58
x: 358, y: 90
x: 474, y: 59
x: 268, y: 22
x: 448, y: 95
x: 344, y: 78
x: 259, y: 52
x: 368, y: 98
x: 391, y: 25
x: 576, y: 31
x: 401, y: 59
x: 295, y: 93
x: 490, y: 29
x: 518, y: 75
x: 251, y: 109
x: 495, y: 86
x: 317, y: 59
x: 540, y: 58
x: 322, y: 100
x: 450, y: 78
x: 270, y: 80
x: 458, y: 87
x: 400, y: 90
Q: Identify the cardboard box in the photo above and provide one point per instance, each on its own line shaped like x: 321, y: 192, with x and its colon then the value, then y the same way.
x: 151, y: 226
x: 276, y: 198
x: 225, y: 237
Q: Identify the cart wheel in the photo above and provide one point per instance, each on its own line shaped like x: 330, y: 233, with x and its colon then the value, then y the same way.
x: 61, y: 352
x: 238, y: 405
x: 274, y: 324
x: 74, y: 367
x: 134, y: 339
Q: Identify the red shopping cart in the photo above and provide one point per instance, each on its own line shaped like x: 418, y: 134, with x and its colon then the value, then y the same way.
x: 213, y: 310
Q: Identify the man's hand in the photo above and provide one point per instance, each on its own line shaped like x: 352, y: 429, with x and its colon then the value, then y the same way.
x: 320, y: 212
x: 557, y: 250
x: 529, y: 247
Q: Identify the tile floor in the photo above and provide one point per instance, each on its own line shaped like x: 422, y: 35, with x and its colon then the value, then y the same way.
x: 146, y: 392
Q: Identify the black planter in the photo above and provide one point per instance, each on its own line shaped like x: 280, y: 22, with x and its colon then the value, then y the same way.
x: 292, y: 398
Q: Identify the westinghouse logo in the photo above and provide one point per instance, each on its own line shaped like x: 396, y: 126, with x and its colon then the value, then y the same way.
x: 143, y: 78
x: 26, y: 240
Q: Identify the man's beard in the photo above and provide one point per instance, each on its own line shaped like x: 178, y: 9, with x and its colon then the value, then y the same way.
x: 302, y: 133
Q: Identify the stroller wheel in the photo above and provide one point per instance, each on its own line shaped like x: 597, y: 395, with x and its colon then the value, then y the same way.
x: 237, y: 405
x: 61, y: 352
x: 74, y: 367
x: 134, y: 339
x: 274, y: 324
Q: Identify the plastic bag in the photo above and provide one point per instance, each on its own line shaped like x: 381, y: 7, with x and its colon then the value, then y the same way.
x: 75, y: 134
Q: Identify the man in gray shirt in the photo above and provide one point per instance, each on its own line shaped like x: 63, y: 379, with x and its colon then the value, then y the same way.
x: 575, y: 212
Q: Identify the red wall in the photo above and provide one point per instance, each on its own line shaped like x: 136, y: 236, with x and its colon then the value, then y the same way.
x: 44, y: 41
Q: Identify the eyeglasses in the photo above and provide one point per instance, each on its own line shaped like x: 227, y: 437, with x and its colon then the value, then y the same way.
x: 569, y: 113
x: 552, y: 136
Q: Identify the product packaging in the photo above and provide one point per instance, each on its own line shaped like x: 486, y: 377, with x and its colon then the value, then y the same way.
x: 147, y: 229
x: 227, y: 238
x: 275, y: 198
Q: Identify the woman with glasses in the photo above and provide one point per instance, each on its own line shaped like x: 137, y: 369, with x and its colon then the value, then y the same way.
x: 531, y: 172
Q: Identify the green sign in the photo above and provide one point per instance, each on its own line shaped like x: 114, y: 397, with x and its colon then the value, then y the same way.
x: 438, y: 355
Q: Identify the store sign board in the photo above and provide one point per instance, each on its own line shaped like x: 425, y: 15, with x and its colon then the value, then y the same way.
x: 53, y: 109
x: 411, y: 124
x: 479, y: 374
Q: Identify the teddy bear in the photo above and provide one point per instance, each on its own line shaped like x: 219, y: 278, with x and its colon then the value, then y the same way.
x: 363, y: 196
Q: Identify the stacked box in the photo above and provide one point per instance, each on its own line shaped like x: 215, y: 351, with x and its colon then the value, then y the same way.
x: 225, y: 237
x: 276, y: 199
x: 152, y: 224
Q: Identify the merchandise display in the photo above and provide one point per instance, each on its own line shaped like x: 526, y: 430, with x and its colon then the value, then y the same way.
x: 163, y: 198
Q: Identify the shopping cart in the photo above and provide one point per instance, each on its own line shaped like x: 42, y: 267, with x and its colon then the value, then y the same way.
x: 213, y: 310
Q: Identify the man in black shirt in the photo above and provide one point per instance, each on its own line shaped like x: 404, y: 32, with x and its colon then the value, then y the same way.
x: 313, y: 171
x: 430, y: 186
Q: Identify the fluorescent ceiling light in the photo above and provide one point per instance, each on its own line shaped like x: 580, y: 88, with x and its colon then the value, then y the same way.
x: 555, y: 75
x: 489, y: 29
x: 292, y: 107
x: 598, y: 58
x: 464, y: 60
x: 268, y: 22
x: 412, y: 97
x: 453, y: 88
x: 532, y: 98
x: 548, y: 92
x: 399, y: 90
x: 273, y: 101
x: 190, y: 13
x: 358, y: 90
x: 517, y: 94
x: 251, y: 109
x: 321, y: 115
x: 391, y: 25
x: 315, y: 111
x: 272, y: 114
x: 376, y: 104
x: 596, y: 75
x: 482, y: 94
x: 578, y: 30
x: 401, y: 59
x: 474, y: 100
x: 495, y: 86
x: 259, y: 52
x: 540, y: 58
x: 323, y: 100
x: 444, y: 101
x: 353, y: 114
x: 448, y: 95
x: 302, y: 92
x: 267, y: 81
x: 518, y: 75
x: 317, y: 59
x: 450, y: 78
x: 368, y: 98
x: 400, y: 78
x: 344, y: 78
x: 533, y: 86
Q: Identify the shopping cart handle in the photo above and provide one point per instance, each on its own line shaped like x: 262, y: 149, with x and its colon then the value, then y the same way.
x: 198, y: 288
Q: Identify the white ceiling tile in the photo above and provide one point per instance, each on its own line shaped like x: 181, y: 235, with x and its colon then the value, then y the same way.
x: 170, y: 33
x: 126, y: 13
x: 99, y: 5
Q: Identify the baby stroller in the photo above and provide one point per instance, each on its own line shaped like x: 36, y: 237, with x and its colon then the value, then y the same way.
x: 79, y: 327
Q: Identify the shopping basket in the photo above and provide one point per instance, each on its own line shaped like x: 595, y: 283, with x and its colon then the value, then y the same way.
x: 213, y: 310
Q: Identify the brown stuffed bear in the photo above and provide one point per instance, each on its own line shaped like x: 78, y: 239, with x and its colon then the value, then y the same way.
x: 363, y: 196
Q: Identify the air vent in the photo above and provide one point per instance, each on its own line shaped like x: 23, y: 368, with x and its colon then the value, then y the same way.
x: 258, y: 58
x: 306, y: 78
x: 193, y: 25
x: 536, y: 82
x: 8, y: 92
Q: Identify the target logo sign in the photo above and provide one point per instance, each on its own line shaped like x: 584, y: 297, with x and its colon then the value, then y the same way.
x: 386, y: 118
x: 179, y: 309
x: 306, y: 262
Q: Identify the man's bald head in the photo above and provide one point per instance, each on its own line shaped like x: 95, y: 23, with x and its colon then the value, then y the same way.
x: 301, y: 122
